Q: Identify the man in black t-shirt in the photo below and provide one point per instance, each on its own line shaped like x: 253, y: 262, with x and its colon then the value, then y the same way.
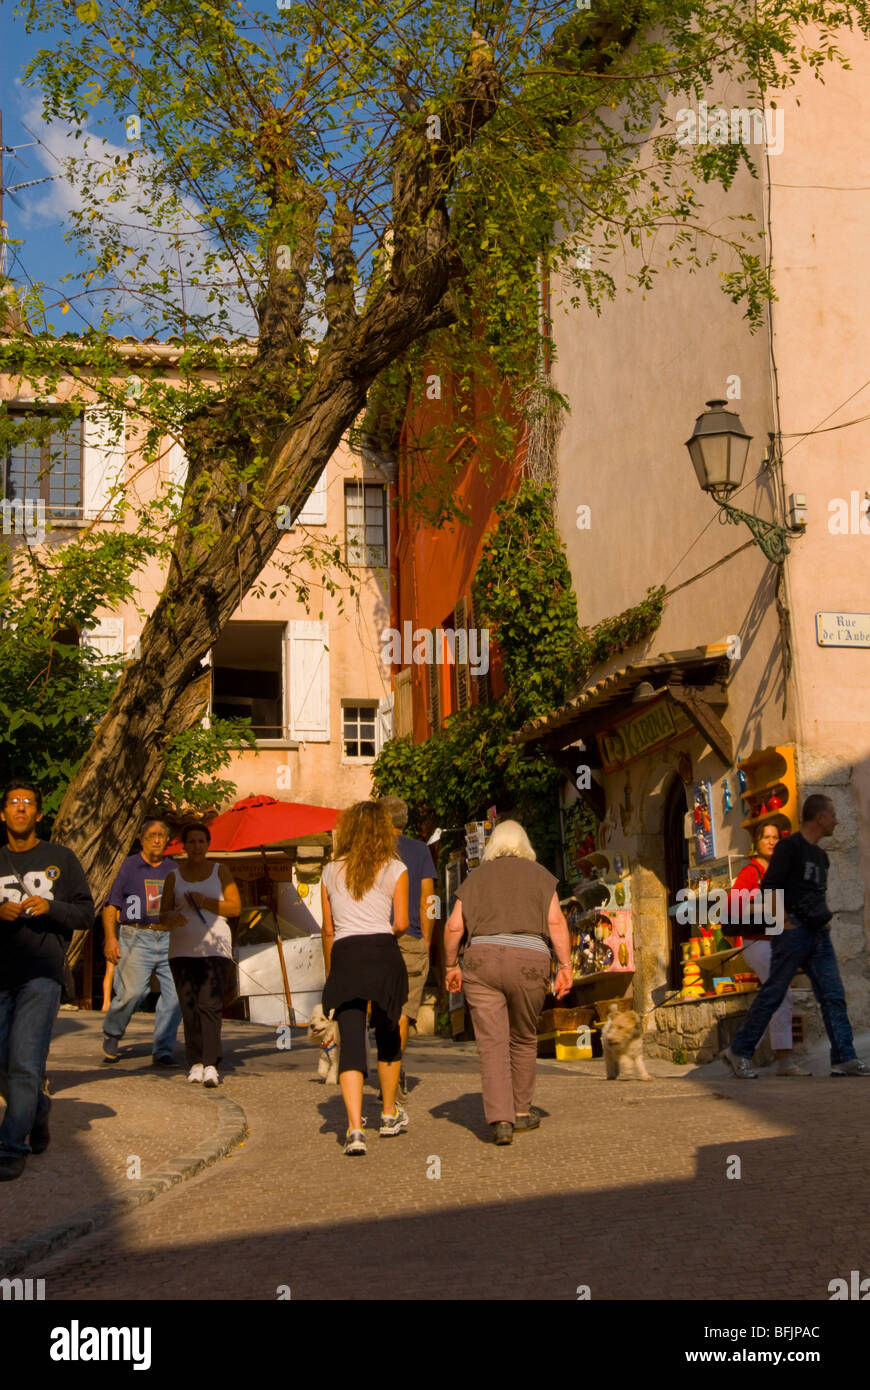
x: 799, y: 870
x: 44, y: 898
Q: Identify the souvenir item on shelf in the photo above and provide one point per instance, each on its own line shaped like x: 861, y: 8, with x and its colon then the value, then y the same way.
x: 774, y: 802
x: 726, y: 795
x: 692, y: 986
x: 705, y: 840
x: 694, y: 947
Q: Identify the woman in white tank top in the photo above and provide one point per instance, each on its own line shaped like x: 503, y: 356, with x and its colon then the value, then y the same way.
x: 198, y: 897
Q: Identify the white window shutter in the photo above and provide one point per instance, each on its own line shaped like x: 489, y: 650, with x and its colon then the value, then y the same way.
x: 106, y: 636
x: 308, y: 680
x: 314, y: 511
x: 385, y: 721
x: 178, y: 464
x: 104, y: 455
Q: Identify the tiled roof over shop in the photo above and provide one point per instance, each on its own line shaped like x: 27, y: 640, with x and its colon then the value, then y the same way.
x: 697, y: 666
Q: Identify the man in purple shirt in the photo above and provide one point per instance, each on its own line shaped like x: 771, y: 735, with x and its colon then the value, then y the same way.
x: 134, y: 899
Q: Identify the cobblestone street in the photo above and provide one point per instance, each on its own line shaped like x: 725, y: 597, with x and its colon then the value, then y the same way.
x: 624, y: 1188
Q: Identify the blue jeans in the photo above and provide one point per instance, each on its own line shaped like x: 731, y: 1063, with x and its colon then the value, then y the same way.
x: 144, y: 952
x: 799, y: 948
x: 27, y: 1017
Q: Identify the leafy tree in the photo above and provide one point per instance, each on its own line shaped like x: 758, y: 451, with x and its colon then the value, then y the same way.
x: 353, y: 178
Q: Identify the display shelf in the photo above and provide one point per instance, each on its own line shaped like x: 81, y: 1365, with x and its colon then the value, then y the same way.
x: 765, y: 770
x: 712, y: 962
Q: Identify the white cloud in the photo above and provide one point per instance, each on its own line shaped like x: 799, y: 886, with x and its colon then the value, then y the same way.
x: 55, y: 202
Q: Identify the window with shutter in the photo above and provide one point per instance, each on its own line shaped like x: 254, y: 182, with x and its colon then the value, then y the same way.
x: 308, y: 683
x: 463, y: 675
x: 481, y: 684
x: 178, y: 465
x: 385, y: 721
x: 313, y: 512
x: 434, y: 674
x: 47, y: 471
x: 403, y: 692
x: 105, y: 636
x: 365, y: 523
x: 103, y: 462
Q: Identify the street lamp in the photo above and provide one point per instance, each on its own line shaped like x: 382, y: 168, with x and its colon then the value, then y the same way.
x: 718, y: 449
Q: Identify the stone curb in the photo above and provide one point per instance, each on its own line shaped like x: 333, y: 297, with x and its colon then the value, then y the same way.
x: 232, y: 1128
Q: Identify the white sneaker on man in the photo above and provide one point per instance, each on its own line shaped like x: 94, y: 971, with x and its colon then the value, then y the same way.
x: 196, y: 1072
x: 210, y: 1077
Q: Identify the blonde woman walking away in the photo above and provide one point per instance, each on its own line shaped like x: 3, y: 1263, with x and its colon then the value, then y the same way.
x: 511, y: 912
x: 359, y: 889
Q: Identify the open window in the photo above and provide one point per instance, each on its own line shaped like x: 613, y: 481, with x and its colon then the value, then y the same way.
x: 248, y: 677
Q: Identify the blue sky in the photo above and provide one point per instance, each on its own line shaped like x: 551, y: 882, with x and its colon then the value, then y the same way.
x: 38, y: 220
x: 39, y: 216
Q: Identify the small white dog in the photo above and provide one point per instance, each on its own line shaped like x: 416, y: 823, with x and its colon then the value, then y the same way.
x: 622, y: 1040
x: 324, y: 1031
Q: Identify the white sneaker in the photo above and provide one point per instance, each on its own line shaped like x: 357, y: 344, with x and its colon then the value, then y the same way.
x: 196, y: 1072
x: 210, y: 1077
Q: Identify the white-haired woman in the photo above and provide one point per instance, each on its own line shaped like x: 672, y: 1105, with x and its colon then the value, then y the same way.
x: 511, y: 912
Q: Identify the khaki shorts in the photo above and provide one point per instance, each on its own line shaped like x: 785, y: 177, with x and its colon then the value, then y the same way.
x: 415, y: 953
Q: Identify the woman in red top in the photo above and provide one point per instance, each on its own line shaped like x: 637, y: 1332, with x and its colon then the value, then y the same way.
x: 757, y: 947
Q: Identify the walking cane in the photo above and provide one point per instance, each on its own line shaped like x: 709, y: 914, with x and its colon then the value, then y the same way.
x: 273, y: 908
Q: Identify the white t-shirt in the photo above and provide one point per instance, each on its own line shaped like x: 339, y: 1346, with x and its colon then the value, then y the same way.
x: 371, y: 913
x: 211, y: 937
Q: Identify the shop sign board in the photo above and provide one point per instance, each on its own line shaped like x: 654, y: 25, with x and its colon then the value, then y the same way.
x: 640, y: 732
x: 843, y: 629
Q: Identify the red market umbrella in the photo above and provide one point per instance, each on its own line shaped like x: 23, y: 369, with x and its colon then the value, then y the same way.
x: 260, y: 821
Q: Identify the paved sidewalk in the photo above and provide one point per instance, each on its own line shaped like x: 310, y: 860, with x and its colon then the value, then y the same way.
x: 695, y: 1187
x: 119, y: 1131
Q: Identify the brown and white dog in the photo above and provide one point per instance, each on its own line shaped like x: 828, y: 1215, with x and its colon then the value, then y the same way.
x: 622, y: 1040
x: 324, y: 1031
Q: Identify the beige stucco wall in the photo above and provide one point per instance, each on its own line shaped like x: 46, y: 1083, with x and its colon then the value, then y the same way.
x: 821, y: 342
x: 636, y: 378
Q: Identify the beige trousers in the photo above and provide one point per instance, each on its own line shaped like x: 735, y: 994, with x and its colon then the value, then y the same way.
x: 505, y: 988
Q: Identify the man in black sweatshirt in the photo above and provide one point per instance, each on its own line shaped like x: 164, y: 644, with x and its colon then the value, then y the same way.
x: 44, y: 898
x: 798, y: 870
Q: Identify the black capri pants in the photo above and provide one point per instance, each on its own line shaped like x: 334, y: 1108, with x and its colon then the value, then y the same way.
x: 351, y: 1020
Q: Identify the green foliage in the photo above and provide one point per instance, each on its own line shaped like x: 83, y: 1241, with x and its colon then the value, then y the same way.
x: 522, y: 590
x: 52, y: 697
x: 193, y: 761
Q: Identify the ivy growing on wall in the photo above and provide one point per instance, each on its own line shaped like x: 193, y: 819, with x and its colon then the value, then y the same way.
x: 522, y: 591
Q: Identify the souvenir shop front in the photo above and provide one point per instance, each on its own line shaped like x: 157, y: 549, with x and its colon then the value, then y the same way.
x: 663, y: 827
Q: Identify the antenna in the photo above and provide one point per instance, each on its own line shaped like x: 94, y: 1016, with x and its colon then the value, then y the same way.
x: 14, y: 188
